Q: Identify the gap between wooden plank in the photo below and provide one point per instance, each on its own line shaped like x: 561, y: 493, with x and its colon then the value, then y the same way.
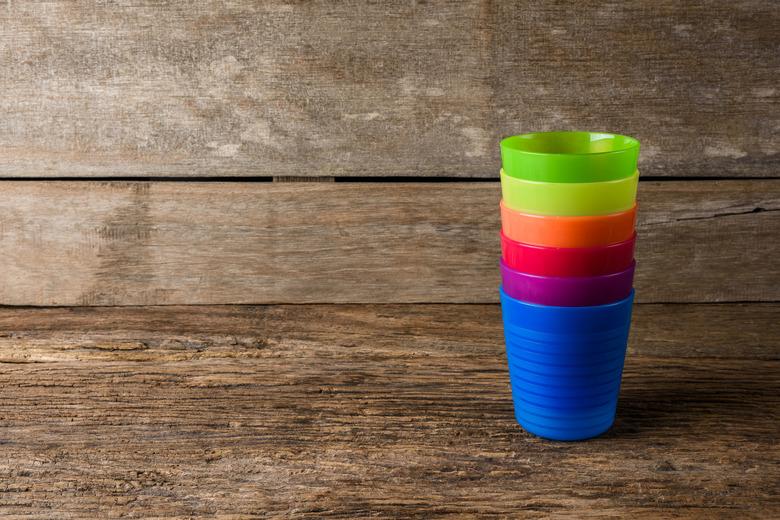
x: 411, y: 179
x: 303, y: 179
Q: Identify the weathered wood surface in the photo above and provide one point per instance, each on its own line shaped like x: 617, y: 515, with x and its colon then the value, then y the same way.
x: 187, y: 333
x: 356, y: 88
x: 118, y: 243
x: 386, y: 411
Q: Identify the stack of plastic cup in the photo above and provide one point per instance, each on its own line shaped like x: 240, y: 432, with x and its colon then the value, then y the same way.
x: 568, y: 213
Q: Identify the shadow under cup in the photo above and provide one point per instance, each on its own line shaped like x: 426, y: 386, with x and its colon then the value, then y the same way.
x: 565, y: 365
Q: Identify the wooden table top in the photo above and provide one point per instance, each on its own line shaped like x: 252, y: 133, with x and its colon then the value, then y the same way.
x: 316, y: 411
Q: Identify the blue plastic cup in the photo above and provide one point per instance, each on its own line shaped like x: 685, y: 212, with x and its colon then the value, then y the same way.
x: 565, y: 365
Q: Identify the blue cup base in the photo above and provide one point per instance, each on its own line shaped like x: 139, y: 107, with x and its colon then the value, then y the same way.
x: 566, y: 435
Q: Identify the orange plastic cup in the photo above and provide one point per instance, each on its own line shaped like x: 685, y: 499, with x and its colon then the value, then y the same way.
x: 555, y: 231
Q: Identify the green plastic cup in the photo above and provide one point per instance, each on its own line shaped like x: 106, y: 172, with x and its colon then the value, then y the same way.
x: 569, y: 199
x: 569, y: 156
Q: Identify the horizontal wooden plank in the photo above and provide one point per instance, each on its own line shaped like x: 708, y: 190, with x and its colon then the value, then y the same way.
x: 42, y: 335
x: 364, y: 411
x: 356, y: 88
x: 126, y: 243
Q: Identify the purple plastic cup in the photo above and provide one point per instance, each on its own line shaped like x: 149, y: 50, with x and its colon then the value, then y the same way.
x: 569, y: 291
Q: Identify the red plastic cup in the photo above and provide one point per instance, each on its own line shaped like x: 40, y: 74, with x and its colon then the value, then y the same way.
x: 567, y: 261
x: 567, y: 291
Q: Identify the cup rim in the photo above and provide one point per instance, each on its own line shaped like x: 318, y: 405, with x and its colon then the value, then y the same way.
x: 569, y: 198
x: 568, y: 231
x: 571, y: 218
x: 613, y: 245
x: 581, y: 279
x: 570, y: 185
x: 568, y: 308
x: 508, y: 143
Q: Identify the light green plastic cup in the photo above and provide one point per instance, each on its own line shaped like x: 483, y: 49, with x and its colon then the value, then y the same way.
x: 569, y: 156
x: 569, y: 199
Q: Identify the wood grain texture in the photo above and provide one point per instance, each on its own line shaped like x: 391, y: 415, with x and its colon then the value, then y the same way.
x: 368, y: 411
x: 187, y: 333
x: 125, y: 243
x: 356, y: 88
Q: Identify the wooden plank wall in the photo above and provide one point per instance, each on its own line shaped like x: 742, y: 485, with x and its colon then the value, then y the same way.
x: 111, y: 113
x: 116, y: 243
x: 359, y: 88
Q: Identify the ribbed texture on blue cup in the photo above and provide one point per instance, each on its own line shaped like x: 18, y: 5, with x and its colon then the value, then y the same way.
x: 565, y: 365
